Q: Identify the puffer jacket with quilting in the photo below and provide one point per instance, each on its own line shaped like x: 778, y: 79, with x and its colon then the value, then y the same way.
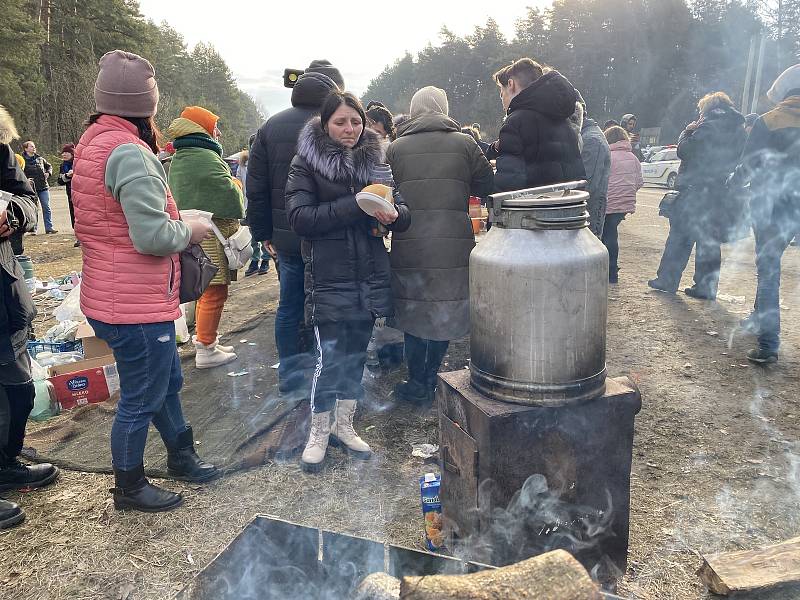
x: 120, y: 285
x: 347, y: 272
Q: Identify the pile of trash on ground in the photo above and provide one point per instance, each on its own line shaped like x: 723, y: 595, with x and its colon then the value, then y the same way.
x: 71, y: 366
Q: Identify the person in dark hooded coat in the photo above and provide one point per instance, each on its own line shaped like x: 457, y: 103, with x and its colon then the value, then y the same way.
x: 537, y: 146
x: 16, y: 315
x: 268, y: 169
x: 709, y: 149
x: 347, y: 283
x: 437, y: 169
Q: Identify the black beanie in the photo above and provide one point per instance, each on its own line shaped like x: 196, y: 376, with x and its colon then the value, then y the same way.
x: 326, y: 68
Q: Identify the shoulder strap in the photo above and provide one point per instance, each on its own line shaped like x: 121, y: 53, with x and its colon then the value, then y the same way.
x: 219, y: 235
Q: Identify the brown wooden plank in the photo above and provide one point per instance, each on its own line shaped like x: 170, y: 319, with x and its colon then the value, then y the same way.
x: 752, y: 570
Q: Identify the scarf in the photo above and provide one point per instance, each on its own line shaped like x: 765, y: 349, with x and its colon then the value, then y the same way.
x: 198, y: 140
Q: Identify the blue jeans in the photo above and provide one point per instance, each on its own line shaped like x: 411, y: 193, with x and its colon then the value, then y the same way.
x: 771, y: 241
x: 257, y: 251
x: 150, y: 383
x: 288, y: 319
x: 678, y: 249
x: 47, y: 214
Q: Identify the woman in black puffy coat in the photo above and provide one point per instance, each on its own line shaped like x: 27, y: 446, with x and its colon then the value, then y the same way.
x: 347, y: 273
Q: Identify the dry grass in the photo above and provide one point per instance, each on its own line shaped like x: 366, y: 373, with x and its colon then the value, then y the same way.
x: 714, y: 469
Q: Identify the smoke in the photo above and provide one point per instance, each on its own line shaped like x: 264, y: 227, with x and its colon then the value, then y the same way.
x: 536, y: 520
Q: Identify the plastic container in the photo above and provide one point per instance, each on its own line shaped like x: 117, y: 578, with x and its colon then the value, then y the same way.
x: 26, y: 264
x: 192, y: 214
x: 50, y: 359
x: 37, y: 347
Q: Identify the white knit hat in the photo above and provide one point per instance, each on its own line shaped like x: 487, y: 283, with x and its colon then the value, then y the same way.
x: 786, y: 82
x: 430, y: 99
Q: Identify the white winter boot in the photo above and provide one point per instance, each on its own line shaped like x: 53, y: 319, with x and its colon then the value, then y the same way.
x: 343, y: 432
x: 317, y: 444
x: 228, y: 349
x: 211, y: 355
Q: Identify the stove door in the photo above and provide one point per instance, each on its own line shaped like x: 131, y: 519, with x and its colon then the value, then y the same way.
x: 459, y: 491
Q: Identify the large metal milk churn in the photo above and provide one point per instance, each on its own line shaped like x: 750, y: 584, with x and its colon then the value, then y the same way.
x: 538, y: 300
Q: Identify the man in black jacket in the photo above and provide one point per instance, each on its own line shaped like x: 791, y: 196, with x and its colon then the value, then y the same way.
x: 537, y: 146
x: 270, y: 156
x: 16, y: 315
x: 38, y: 170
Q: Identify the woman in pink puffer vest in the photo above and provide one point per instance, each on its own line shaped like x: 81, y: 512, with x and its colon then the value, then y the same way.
x: 131, y: 237
x: 624, y: 182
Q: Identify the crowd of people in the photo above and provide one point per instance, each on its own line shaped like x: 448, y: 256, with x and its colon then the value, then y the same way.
x: 296, y: 190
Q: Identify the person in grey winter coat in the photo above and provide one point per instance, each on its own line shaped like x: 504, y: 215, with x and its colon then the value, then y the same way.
x: 596, y: 157
x: 437, y: 168
x: 16, y: 315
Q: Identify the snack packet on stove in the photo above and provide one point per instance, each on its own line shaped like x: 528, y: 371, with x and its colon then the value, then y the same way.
x: 429, y: 485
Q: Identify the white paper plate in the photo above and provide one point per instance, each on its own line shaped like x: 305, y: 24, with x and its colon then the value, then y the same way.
x: 371, y: 203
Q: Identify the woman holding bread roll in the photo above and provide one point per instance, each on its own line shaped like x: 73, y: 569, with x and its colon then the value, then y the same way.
x: 346, y: 263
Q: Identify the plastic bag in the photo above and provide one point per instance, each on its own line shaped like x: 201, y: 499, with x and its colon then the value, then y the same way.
x: 63, y: 332
x: 45, y: 404
x: 70, y: 308
x: 38, y: 372
x: 181, y: 328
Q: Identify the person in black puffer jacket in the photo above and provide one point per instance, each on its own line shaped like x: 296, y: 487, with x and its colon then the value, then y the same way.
x: 709, y: 149
x: 536, y: 145
x: 347, y: 272
x: 16, y: 315
x: 268, y: 168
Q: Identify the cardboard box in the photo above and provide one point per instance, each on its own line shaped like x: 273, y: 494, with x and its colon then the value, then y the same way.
x: 93, y: 379
x: 93, y: 346
x: 85, y: 382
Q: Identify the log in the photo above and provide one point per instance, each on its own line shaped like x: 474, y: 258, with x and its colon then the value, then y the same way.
x: 377, y: 586
x: 552, y: 576
x: 752, y: 570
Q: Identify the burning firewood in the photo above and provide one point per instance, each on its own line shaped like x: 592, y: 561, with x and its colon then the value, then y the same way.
x: 377, y: 586
x: 552, y: 576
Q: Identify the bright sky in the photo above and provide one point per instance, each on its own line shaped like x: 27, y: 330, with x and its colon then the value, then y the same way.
x: 259, y: 39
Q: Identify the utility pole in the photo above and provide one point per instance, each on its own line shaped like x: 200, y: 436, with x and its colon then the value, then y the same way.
x: 759, y: 73
x: 749, y: 74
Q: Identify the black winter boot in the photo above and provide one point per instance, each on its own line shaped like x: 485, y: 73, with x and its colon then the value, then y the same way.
x: 183, y: 462
x: 10, y: 514
x: 414, y: 392
x: 134, y: 492
x: 17, y: 476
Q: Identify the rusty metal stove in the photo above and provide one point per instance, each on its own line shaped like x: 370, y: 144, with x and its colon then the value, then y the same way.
x: 520, y: 480
x: 272, y: 559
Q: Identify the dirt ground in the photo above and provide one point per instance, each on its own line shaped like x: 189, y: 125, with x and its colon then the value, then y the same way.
x: 716, y: 458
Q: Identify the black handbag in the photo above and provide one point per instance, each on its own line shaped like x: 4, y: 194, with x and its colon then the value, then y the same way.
x: 197, y: 271
x: 667, y: 204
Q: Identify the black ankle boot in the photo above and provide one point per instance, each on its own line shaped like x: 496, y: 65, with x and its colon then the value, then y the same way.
x: 16, y: 476
x: 183, y: 462
x: 10, y: 514
x: 134, y: 492
x: 413, y: 392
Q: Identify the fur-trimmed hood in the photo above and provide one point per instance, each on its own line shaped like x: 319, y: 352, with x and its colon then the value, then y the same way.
x: 332, y: 160
x: 8, y: 130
